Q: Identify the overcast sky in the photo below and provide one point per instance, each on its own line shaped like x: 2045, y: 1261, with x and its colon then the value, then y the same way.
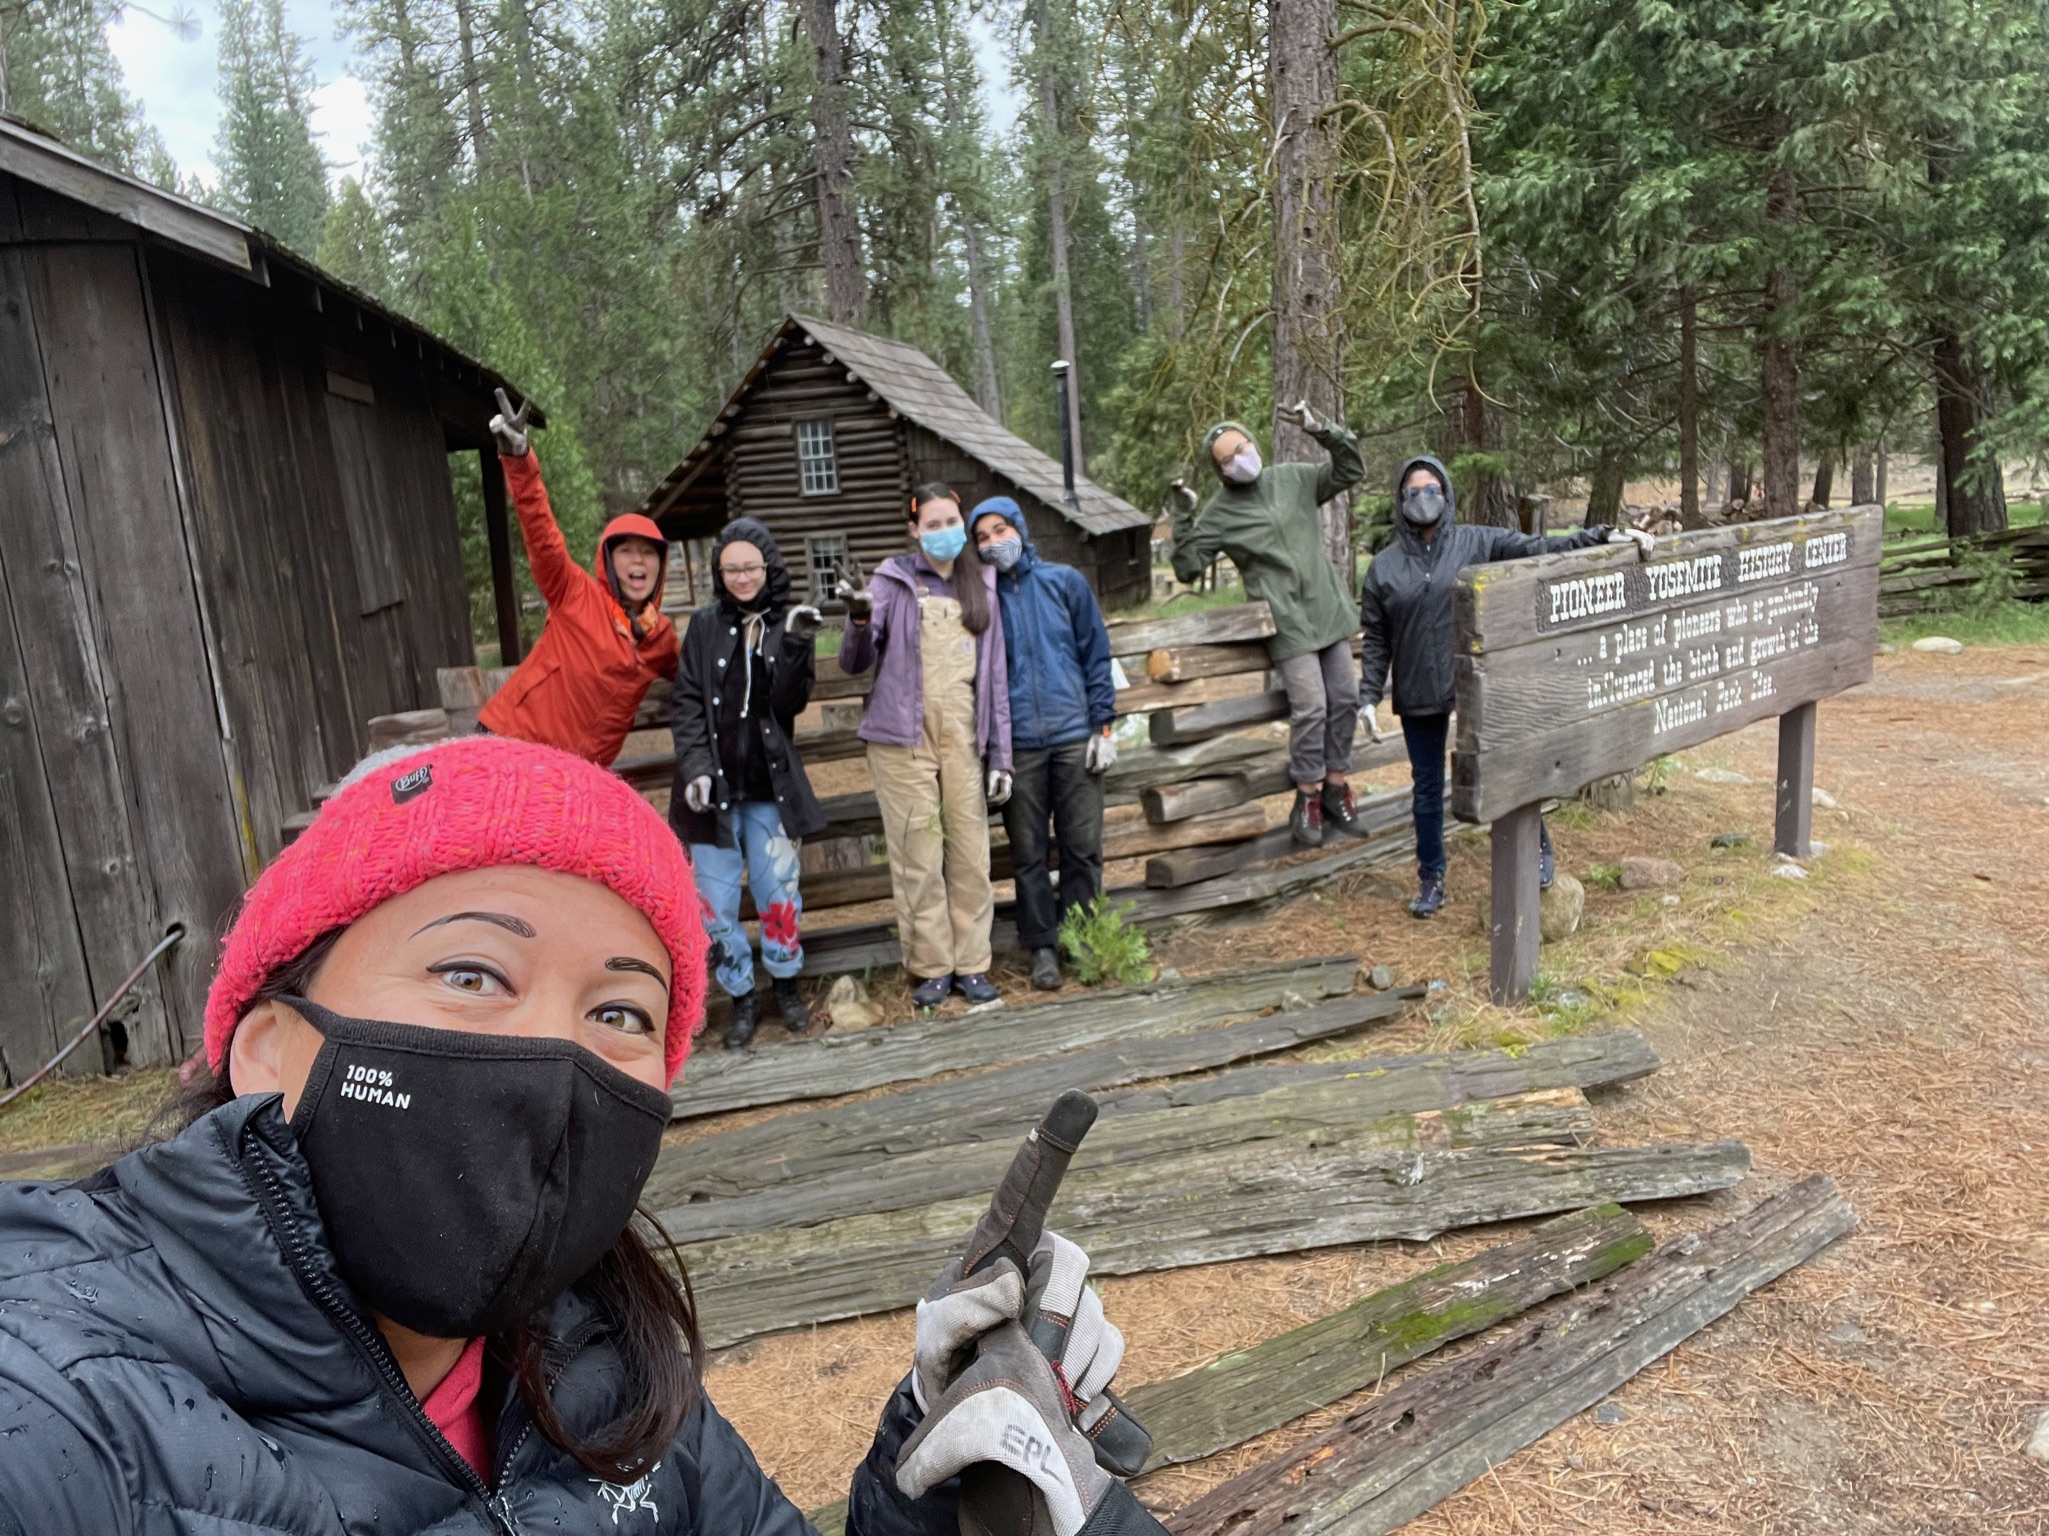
x: 175, y: 81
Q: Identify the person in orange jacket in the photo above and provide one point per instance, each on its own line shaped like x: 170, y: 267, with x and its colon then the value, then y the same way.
x: 606, y: 638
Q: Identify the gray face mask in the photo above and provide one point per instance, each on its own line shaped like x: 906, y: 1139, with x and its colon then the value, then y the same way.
x: 1423, y: 506
x: 1004, y: 553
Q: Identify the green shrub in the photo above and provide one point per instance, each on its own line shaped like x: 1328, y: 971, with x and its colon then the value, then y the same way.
x: 1105, y: 945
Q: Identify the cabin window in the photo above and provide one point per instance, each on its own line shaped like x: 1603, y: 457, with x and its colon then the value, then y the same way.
x: 825, y: 554
x: 817, y: 466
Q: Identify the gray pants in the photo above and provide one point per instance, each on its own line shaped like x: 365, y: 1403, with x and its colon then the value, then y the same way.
x: 1323, y: 711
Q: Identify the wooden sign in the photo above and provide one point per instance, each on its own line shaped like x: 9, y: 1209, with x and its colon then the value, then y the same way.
x: 1575, y: 666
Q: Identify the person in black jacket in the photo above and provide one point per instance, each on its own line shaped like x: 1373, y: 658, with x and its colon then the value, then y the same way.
x: 741, y: 797
x: 1405, y: 612
x: 389, y: 1276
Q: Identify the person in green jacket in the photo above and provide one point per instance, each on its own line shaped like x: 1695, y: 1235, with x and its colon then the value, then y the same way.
x: 1265, y: 518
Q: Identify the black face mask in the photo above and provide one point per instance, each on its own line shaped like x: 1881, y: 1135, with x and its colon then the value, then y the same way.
x: 468, y: 1180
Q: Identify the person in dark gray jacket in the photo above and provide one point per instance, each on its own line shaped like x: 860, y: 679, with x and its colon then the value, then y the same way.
x: 389, y: 1276
x: 1405, y: 613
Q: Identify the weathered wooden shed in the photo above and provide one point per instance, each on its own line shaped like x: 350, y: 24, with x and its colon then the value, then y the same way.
x: 831, y: 430
x: 227, y: 539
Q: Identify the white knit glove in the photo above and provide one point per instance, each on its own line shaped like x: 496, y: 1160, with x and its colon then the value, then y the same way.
x: 1644, y: 542
x: 697, y: 794
x: 804, y: 621
x: 1102, y: 754
x: 1369, y: 716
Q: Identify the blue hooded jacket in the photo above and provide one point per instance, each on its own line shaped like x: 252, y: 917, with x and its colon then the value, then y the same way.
x: 1055, y: 643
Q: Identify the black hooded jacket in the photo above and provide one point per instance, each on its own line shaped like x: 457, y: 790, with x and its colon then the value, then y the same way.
x: 712, y: 739
x: 1405, y: 601
x: 179, y: 1354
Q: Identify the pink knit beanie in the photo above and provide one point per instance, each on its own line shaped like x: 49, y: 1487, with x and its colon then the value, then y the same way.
x: 473, y: 803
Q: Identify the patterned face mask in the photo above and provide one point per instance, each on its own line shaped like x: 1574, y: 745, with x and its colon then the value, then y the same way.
x: 1004, y: 553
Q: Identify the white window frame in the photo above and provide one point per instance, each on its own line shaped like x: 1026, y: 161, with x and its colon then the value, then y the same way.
x: 818, y: 474
x: 833, y: 548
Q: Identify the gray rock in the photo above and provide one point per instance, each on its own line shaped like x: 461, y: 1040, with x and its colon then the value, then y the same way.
x: 1939, y: 645
x: 848, y: 1005
x: 1380, y: 978
x: 1824, y: 799
x: 1642, y: 873
x: 2038, y: 1442
x: 1559, y: 909
x: 1789, y: 872
x: 1720, y: 776
x: 1610, y: 1412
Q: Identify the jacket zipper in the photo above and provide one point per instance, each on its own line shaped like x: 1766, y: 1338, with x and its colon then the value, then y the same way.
x: 292, y: 1240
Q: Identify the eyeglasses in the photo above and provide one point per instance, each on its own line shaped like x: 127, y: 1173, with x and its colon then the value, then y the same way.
x: 742, y: 570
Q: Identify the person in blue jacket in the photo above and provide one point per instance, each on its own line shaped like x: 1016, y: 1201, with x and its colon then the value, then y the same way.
x: 1062, y: 704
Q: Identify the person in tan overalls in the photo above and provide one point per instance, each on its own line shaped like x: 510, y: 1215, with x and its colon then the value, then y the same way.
x: 937, y: 724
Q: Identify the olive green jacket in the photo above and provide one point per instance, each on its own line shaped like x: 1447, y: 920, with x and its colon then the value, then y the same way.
x: 1271, y: 531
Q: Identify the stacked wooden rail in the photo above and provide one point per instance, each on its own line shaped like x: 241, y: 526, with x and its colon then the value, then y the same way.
x: 1216, y: 1141
x: 1187, y: 800
x: 1922, y: 574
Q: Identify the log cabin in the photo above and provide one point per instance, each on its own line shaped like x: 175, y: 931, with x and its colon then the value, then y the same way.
x: 227, y: 539
x: 832, y: 428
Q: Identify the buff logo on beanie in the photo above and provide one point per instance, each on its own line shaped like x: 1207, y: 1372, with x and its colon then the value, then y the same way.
x: 410, y: 786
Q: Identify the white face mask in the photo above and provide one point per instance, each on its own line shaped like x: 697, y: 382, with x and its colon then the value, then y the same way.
x: 1243, y: 466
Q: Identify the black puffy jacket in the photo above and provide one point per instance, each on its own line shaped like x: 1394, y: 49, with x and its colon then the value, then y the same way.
x: 1405, y: 601
x: 178, y: 1354
x: 707, y: 676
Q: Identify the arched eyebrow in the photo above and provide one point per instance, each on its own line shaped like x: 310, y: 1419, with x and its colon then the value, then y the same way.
x: 628, y: 963
x: 505, y: 920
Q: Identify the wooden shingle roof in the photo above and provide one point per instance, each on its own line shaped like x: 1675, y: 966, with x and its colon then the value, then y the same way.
x: 922, y: 391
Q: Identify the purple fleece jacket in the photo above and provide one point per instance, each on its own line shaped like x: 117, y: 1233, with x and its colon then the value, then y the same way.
x: 895, y: 714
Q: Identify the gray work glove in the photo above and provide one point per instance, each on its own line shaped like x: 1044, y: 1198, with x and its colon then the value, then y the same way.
x: 952, y: 1315
x: 804, y: 621
x: 998, y: 787
x: 1007, y: 1407
x: 1304, y: 417
x: 697, y: 794
x: 851, y: 588
x: 1644, y: 542
x: 1185, y: 496
x: 1369, y: 717
x: 509, y: 427
x: 1101, y: 756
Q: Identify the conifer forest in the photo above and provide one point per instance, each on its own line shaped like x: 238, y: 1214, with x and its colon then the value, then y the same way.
x: 1737, y: 243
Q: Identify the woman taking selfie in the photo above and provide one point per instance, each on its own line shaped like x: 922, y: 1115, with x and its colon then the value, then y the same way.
x: 389, y: 1277
x: 937, y: 726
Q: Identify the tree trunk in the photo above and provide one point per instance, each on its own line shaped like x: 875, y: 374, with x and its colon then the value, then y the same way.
x: 1689, y: 414
x: 1056, y: 201
x: 1862, y: 462
x: 1824, y: 480
x: 1973, y: 495
x: 1715, y: 497
x: 1177, y: 290
x: 1604, y: 490
x: 1780, y: 380
x: 1491, y: 498
x: 1880, y: 487
x: 1308, y: 354
x: 987, y: 396
x: 839, y: 232
x: 1739, y: 480
x: 472, y: 86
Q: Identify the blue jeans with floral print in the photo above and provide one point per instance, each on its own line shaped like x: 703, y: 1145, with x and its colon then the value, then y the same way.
x: 766, y: 858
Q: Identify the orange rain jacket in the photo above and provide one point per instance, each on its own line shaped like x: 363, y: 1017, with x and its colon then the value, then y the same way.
x: 587, y: 674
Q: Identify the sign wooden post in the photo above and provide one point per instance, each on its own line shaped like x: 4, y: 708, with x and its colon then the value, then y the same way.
x: 1575, y: 666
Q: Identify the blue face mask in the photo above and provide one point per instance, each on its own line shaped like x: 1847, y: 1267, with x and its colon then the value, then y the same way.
x: 944, y: 543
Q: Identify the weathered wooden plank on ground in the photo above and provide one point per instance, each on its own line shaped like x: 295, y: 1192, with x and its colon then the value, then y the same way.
x: 1238, y: 1396
x: 1197, y: 1209
x: 1401, y: 1453
x: 1001, y: 1105
x: 848, y: 1063
x: 1559, y: 1117
x: 1207, y: 626
x: 1174, y: 727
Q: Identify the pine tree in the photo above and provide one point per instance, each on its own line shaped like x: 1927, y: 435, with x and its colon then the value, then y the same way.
x: 57, y: 71
x: 271, y: 172
x: 352, y: 242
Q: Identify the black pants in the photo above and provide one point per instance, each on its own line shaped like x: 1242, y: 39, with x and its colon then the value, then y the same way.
x: 1053, y: 785
x: 1425, y: 736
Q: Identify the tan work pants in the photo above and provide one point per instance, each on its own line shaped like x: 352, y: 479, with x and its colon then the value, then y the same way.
x: 935, y: 817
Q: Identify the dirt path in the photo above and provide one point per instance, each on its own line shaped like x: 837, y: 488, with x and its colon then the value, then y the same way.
x: 1885, y: 1021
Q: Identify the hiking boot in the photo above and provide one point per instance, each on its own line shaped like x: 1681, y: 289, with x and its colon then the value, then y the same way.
x: 746, y: 1016
x: 1338, y: 810
x: 1547, y: 867
x: 789, y: 1002
x: 1306, y: 820
x: 1046, y: 969
x: 931, y: 992
x: 978, y: 989
x: 1430, y: 898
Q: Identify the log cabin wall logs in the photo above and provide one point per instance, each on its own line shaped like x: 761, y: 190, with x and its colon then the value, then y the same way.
x: 229, y: 540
